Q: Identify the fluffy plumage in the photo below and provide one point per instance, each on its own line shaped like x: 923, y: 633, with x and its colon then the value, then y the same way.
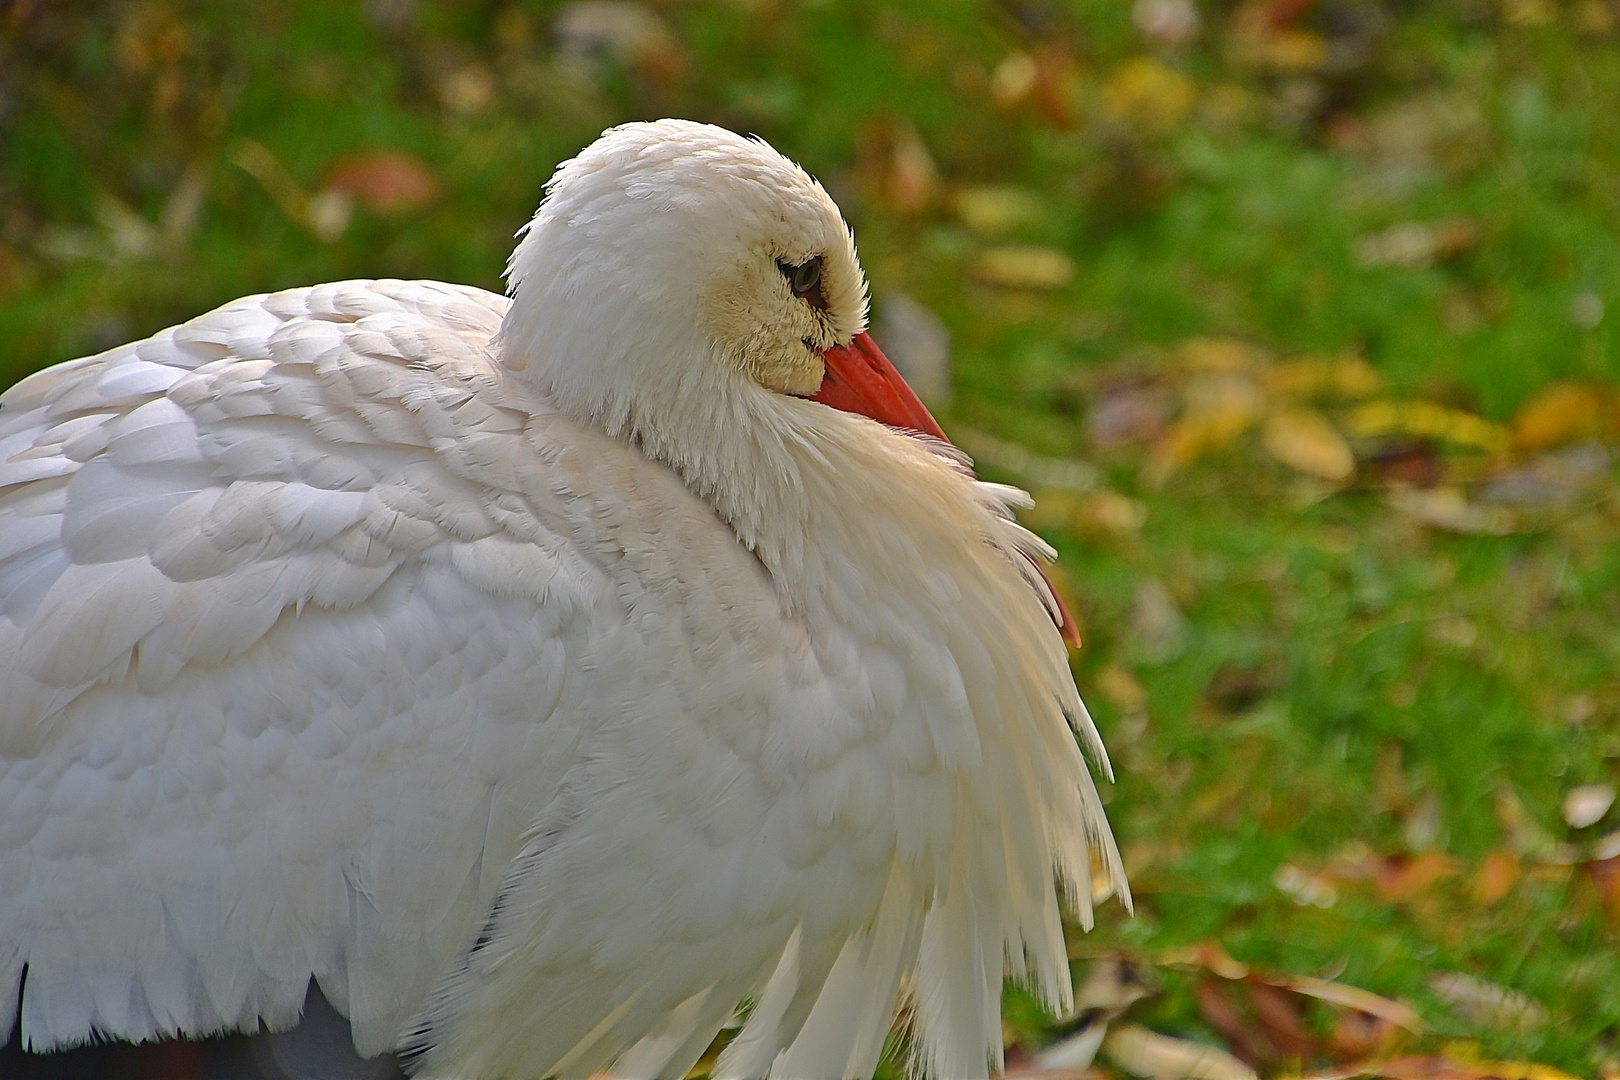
x: 539, y: 677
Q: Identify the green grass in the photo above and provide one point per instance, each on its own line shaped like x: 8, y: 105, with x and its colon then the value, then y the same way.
x: 1472, y: 661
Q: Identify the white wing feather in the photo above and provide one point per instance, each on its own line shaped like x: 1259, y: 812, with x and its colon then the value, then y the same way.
x: 279, y: 696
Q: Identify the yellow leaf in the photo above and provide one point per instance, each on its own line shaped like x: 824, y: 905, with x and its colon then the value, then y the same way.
x: 1303, y: 439
x: 1428, y: 420
x: 1024, y: 267
x: 1216, y: 354
x: 995, y: 210
x: 1346, y: 376
x: 1148, y: 94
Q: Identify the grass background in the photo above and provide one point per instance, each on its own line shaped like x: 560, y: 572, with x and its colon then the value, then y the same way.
x: 1304, y: 676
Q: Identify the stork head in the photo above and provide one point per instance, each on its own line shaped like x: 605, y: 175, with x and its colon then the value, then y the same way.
x: 676, y: 268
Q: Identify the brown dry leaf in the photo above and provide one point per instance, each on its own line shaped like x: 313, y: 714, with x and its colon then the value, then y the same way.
x: 1348, y: 997
x: 1402, y: 877
x: 1304, y: 440
x: 1048, y: 79
x: 1566, y: 412
x: 1149, y: 96
x: 386, y: 181
x: 1605, y: 874
x: 1215, y: 1004
x: 894, y: 165
x: 1213, y: 956
x: 1448, y: 509
x: 1498, y: 873
x: 1425, y: 419
x: 1489, y: 1005
x: 1281, y: 1020
x: 1020, y: 266
x: 1358, y: 1035
x: 1147, y: 1053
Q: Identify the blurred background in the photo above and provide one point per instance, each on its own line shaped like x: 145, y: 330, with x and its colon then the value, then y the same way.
x: 1294, y: 315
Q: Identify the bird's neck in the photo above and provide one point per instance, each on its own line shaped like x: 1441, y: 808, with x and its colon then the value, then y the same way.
x: 836, y: 507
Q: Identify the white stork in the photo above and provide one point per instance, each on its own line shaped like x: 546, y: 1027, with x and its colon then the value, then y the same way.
x: 543, y: 677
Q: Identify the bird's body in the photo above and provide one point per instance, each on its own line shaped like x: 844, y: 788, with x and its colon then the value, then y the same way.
x: 539, y: 706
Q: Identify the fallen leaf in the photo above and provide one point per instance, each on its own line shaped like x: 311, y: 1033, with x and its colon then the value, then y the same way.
x: 1158, y: 629
x: 1281, y: 1020
x: 1402, y: 877
x: 1344, y: 376
x: 1359, y: 1034
x: 895, y: 165
x: 386, y: 181
x: 1172, y: 23
x: 1213, y: 956
x: 1122, y: 688
x: 1585, y: 805
x: 996, y: 210
x: 1220, y: 408
x: 1303, y: 440
x: 1264, y: 38
x: 1448, y: 509
x: 1525, y: 834
x: 1349, y: 997
x: 1554, y: 480
x: 1416, y: 244
x: 1489, y: 1005
x: 1428, y: 420
x: 1147, y: 1053
x: 1304, y: 888
x: 1566, y: 412
x: 1497, y: 874
x: 1221, y: 355
x: 1605, y: 874
x: 1148, y: 95
x: 632, y: 32
x: 1128, y: 415
x: 1110, y: 512
x: 1024, y: 267
x: 1217, y: 1008
x: 1013, y: 80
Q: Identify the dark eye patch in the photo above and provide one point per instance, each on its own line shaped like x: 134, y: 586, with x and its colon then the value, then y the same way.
x: 805, y: 280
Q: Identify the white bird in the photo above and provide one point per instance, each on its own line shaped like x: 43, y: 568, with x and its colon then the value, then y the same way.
x: 540, y: 677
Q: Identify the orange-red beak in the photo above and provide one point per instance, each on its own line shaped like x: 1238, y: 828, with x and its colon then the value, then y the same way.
x: 861, y: 380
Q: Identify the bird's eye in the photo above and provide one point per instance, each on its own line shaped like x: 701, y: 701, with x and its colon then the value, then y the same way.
x: 805, y: 280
